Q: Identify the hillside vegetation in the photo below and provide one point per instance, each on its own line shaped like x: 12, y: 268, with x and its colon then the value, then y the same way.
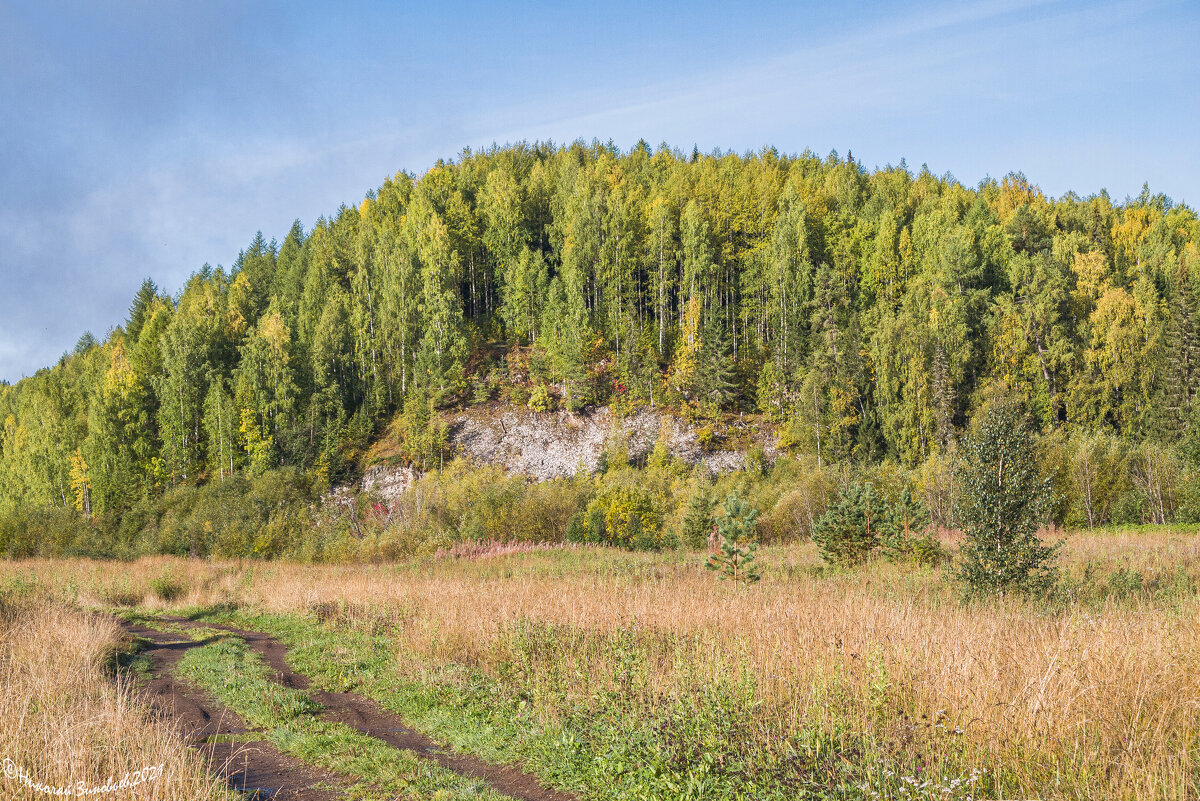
x: 863, y: 318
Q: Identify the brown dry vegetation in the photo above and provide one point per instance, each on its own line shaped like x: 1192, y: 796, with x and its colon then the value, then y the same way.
x: 1078, y: 699
x: 64, y: 720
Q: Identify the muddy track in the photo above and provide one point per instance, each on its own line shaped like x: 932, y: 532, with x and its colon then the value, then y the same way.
x: 244, y: 766
x: 365, y: 715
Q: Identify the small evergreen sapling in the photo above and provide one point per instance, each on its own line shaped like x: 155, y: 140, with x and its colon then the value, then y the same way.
x: 735, y: 560
x: 697, y: 520
x: 909, y: 539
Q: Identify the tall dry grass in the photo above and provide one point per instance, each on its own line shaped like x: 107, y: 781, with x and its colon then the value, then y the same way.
x: 1068, y: 701
x: 1103, y: 703
x: 64, y: 721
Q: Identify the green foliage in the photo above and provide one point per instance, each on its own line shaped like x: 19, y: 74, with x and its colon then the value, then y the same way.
x: 738, y: 529
x: 1004, y: 501
x: 854, y: 526
x: 167, y: 587
x: 423, y: 433
x: 625, y: 516
x: 868, y: 314
x: 53, y: 531
x: 698, y: 524
x: 540, y: 399
x: 243, y: 516
x: 909, y: 538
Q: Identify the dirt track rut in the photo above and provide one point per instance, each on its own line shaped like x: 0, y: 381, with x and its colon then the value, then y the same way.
x: 351, y: 709
x: 244, y: 766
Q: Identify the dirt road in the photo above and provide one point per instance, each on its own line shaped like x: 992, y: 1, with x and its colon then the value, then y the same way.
x: 259, y: 765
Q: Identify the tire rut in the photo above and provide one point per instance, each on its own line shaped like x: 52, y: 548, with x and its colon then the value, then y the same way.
x: 254, y: 767
x: 367, y: 716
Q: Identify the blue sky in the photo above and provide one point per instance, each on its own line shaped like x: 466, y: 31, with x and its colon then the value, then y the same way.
x: 147, y: 138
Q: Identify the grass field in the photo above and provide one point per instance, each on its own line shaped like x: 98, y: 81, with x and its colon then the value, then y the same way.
x: 619, y: 675
x: 66, y: 724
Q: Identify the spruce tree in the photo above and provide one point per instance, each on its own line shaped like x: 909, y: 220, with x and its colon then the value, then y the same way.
x: 143, y: 301
x: 716, y: 377
x: 697, y: 520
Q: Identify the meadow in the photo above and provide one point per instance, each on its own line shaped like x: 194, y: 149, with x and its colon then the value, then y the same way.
x: 616, y: 674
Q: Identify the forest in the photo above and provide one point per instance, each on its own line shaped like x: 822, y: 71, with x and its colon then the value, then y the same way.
x: 867, y: 316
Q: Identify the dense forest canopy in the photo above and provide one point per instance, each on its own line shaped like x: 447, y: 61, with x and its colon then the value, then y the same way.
x: 868, y: 314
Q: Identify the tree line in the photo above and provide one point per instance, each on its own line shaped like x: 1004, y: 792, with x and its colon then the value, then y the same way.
x: 866, y: 313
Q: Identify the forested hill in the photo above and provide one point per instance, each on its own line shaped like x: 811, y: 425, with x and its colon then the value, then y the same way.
x: 867, y: 313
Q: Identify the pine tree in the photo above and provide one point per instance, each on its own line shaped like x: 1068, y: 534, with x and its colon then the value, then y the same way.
x: 908, y: 538
x: 853, y: 527
x: 735, y: 561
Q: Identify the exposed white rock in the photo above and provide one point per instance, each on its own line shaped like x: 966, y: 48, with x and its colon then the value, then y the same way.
x: 546, y: 445
x: 387, y: 482
x: 558, y: 444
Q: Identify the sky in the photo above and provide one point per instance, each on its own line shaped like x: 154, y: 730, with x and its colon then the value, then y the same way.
x: 147, y: 138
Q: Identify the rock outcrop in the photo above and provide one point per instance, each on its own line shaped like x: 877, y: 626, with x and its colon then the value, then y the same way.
x: 557, y: 444
x: 546, y: 445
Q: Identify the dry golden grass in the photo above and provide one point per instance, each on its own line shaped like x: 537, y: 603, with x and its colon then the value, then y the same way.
x: 1072, y: 701
x: 64, y: 721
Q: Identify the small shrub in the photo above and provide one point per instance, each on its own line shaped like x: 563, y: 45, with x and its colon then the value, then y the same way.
x: 1125, y: 583
x: 121, y: 593
x: 540, y: 399
x: 756, y: 460
x: 167, y: 587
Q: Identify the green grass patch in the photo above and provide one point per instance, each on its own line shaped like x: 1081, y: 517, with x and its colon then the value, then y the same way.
x: 237, y: 677
x: 607, y: 747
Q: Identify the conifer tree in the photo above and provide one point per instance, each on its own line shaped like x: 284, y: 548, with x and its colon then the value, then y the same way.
x: 854, y: 526
x: 716, y: 379
x: 697, y: 520
x: 143, y: 301
x: 737, y: 527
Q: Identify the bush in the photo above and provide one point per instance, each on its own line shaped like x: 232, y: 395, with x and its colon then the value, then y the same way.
x: 241, y: 516
x: 625, y: 516
x: 167, y: 587
x: 540, y: 400
x: 804, y: 489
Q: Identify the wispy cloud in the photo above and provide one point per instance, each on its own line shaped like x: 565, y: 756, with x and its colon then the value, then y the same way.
x: 146, y: 142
